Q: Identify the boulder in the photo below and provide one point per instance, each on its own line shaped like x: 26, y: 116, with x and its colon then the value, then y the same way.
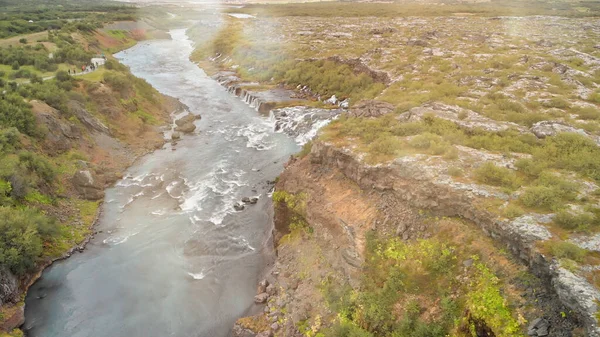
x: 261, y: 298
x: 248, y: 200
x: 59, y: 132
x: 545, y: 129
x: 240, y: 331
x: 538, y: 327
x: 186, y: 128
x: 189, y: 118
x: 88, y: 185
x: 238, y: 207
x: 267, y: 333
x: 175, y: 135
x: 271, y: 290
x: 371, y: 108
x: 86, y: 117
x: 262, y: 286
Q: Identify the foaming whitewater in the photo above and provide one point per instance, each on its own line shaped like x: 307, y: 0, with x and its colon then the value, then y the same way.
x: 302, y: 122
x: 171, y: 256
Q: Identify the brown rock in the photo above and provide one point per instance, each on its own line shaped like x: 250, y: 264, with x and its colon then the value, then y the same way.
x: 58, y: 132
x: 86, y: 117
x: 186, y: 128
x: 261, y: 298
x: 189, y: 118
x: 88, y: 185
x: 262, y: 286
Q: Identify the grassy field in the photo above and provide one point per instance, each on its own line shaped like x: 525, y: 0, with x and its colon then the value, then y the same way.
x: 403, y: 9
x: 32, y: 38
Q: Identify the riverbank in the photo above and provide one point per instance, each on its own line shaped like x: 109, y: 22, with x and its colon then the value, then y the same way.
x: 89, y: 140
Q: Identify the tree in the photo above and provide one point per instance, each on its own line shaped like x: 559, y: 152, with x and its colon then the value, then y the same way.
x: 22, y: 233
x: 15, y: 65
x: 63, y: 76
x: 16, y: 113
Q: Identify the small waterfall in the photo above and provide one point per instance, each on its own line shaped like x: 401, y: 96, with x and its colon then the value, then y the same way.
x: 302, y: 122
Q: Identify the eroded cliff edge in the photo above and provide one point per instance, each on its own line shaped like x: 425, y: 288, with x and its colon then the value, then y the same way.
x: 331, y: 202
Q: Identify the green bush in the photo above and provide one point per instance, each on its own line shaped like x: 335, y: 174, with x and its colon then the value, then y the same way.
x: 541, y: 197
x: 549, y: 192
x: 118, y: 82
x: 564, y: 249
x: 424, y: 141
x: 385, y: 144
x: 588, y: 113
x: 22, y: 233
x: 573, y: 152
x: 14, y: 112
x: 51, y: 93
x: 36, y: 163
x: 491, y: 174
x: 513, y: 211
x: 63, y: 76
x: 570, y: 221
x: 530, y: 167
x: 5, y: 189
x: 345, y: 329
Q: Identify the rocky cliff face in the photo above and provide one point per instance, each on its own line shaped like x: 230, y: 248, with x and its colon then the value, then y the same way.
x: 409, y: 181
x: 345, y: 199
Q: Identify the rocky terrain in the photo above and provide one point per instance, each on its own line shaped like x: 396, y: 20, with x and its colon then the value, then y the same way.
x: 477, y: 131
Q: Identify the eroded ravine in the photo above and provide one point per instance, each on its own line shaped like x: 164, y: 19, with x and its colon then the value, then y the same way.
x: 172, y: 257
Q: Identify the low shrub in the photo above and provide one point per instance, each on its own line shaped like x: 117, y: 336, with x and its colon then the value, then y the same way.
x: 22, y: 233
x: 490, y: 174
x: 587, y: 113
x: 513, y: 211
x: 385, y: 144
x: 530, y: 167
x: 570, y: 221
x: 541, y: 197
x: 556, y: 102
x: 567, y: 250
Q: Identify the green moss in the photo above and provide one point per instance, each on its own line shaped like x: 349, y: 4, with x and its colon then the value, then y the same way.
x: 485, y: 302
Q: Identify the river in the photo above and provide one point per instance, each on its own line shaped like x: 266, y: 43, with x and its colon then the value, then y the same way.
x: 174, y: 258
